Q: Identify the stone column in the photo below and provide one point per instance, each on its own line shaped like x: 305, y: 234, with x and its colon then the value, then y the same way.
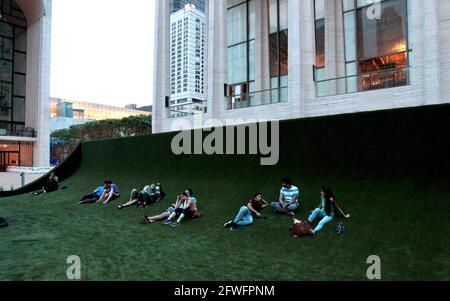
x: 334, y: 46
x: 217, y: 57
x: 301, y: 55
x: 262, y: 63
x: 161, y: 68
x: 37, y: 107
x: 431, y: 51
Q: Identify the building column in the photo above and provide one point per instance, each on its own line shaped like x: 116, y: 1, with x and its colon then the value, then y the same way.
x: 262, y: 63
x: 301, y: 55
x: 161, y: 71
x: 37, y: 107
x: 431, y: 55
x: 334, y: 46
x: 217, y: 57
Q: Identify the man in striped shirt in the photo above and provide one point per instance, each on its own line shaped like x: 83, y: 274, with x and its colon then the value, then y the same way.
x: 288, y: 201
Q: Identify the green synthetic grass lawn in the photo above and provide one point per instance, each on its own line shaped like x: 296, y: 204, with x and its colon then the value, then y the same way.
x: 405, y: 224
x: 387, y: 169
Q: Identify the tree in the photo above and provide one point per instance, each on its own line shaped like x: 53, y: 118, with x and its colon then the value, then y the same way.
x: 106, y: 129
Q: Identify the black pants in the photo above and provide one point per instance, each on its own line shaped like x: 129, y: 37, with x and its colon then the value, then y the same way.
x: 187, y: 213
x: 145, y: 199
x: 90, y: 198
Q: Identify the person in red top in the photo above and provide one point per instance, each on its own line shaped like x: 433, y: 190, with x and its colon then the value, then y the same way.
x: 248, y: 213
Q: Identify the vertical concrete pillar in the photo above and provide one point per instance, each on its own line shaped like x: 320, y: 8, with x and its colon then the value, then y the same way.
x: 37, y: 107
x: 262, y: 63
x: 217, y: 57
x: 431, y: 56
x: 161, y: 71
x: 301, y: 55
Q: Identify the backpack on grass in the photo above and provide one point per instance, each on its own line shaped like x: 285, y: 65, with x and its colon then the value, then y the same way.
x: 3, y: 223
x: 301, y: 229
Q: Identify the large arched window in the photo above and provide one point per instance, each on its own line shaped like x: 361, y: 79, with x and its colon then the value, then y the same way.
x: 13, y: 46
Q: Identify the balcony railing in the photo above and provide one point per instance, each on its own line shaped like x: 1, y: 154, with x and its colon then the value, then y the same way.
x: 8, y: 133
x: 185, y: 110
x: 363, y: 82
x: 258, y: 98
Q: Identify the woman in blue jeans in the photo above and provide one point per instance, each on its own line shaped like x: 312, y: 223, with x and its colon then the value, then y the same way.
x: 248, y: 213
x: 326, y: 210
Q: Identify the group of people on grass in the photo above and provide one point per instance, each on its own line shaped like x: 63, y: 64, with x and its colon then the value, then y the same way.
x: 186, y: 205
x: 288, y: 203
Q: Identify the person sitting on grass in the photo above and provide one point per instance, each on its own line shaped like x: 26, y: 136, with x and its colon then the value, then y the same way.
x: 93, y: 196
x: 49, y: 186
x: 149, y: 195
x: 326, y: 211
x: 185, y: 207
x: 112, y: 192
x: 248, y: 213
x: 288, y: 201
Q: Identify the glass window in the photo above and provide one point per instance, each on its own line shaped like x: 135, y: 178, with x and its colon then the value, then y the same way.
x: 376, y: 49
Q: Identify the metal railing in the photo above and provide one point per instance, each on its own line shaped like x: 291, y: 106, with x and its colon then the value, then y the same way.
x: 383, y: 79
x: 257, y: 98
x: 185, y: 110
x: 8, y: 133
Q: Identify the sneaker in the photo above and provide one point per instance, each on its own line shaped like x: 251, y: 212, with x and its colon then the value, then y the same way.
x: 175, y: 224
x: 228, y: 224
x: 167, y: 222
x: 233, y: 227
x: 120, y: 207
x: 312, y: 233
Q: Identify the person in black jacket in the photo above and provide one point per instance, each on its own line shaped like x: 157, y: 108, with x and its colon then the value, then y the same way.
x: 49, y: 186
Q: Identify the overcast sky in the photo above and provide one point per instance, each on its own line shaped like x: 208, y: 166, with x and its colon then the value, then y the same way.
x: 102, y: 51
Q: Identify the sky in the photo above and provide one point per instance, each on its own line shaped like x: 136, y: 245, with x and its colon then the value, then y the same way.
x: 102, y: 51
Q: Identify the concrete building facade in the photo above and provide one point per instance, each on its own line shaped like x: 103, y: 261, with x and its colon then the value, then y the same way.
x: 25, y: 42
x: 285, y: 59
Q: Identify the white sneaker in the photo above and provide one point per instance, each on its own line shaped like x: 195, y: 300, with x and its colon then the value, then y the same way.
x: 228, y: 224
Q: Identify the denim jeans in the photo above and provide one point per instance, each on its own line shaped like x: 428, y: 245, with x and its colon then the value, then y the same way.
x: 277, y: 206
x: 325, y: 219
x: 244, y: 217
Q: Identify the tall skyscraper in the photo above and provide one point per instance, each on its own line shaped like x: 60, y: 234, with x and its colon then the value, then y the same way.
x: 187, y: 60
x: 176, y: 5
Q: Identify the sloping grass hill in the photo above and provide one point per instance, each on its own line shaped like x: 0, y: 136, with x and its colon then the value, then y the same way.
x: 389, y: 169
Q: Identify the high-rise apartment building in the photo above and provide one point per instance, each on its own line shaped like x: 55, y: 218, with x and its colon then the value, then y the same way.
x: 176, y: 5
x: 187, y: 61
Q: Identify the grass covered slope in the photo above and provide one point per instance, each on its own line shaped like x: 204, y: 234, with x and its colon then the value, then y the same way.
x: 390, y: 170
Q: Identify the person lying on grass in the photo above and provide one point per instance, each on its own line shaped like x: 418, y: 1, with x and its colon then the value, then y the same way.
x: 289, y: 198
x: 49, y: 186
x: 184, y: 207
x: 248, y: 213
x: 158, y: 218
x: 148, y: 196
x: 326, y: 211
x: 112, y: 192
x: 93, y: 196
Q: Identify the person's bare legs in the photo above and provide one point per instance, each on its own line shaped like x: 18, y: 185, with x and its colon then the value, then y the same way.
x: 180, y: 218
x: 158, y: 218
x: 133, y: 200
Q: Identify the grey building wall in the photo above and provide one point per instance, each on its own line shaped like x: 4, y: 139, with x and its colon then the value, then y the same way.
x: 429, y: 74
